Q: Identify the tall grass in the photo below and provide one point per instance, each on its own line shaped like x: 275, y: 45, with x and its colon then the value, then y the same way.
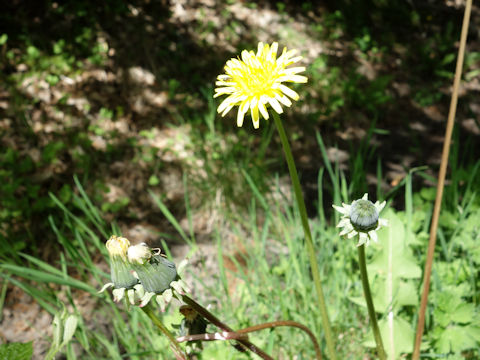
x: 270, y: 279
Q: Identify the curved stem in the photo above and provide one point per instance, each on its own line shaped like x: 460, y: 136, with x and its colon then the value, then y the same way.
x: 215, y: 321
x: 290, y: 323
x: 368, y: 298
x: 175, y: 345
x: 242, y: 334
x: 308, y: 236
x: 441, y: 182
x: 224, y: 335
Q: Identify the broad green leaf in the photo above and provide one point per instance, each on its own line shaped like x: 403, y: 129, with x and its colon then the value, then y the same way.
x: 16, y: 351
x: 395, y: 258
x: 407, y: 294
x: 391, y: 267
x: 397, y: 336
x: 403, y: 294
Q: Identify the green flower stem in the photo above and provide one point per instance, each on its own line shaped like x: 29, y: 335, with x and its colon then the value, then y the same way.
x: 176, y: 346
x: 308, y: 236
x: 368, y: 298
x: 215, y: 321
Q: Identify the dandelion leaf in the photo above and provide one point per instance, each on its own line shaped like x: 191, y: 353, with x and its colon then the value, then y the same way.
x: 397, y: 335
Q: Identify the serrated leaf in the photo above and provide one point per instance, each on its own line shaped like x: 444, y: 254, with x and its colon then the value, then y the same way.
x: 463, y: 313
x: 16, y: 351
x: 450, y: 298
x: 455, y: 339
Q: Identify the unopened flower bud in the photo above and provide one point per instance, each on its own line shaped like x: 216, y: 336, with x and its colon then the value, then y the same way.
x: 120, y: 269
x: 154, y: 271
x: 363, y: 215
x: 361, y: 218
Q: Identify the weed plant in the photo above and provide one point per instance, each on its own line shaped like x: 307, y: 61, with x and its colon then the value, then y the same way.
x: 273, y: 278
x: 273, y: 275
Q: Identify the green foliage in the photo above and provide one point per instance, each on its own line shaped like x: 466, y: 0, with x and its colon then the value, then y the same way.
x: 392, y: 269
x: 16, y: 351
x: 457, y: 323
x: 273, y: 279
x: 64, y: 326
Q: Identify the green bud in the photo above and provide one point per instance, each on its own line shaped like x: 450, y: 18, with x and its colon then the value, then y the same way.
x: 156, y: 274
x: 363, y: 215
x: 120, y: 270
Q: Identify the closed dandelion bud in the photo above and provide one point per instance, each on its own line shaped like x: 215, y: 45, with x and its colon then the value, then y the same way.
x: 363, y: 215
x: 121, y: 272
x: 361, y: 218
x: 154, y: 271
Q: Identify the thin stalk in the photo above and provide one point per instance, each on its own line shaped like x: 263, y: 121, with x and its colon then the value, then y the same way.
x: 370, y: 307
x: 290, y: 323
x: 222, y: 336
x: 242, y: 334
x: 308, y: 236
x: 441, y: 182
x: 215, y: 321
x: 175, y: 345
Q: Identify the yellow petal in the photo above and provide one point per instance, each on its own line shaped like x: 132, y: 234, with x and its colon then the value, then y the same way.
x: 259, y: 49
x: 240, y: 117
x: 275, y: 105
x: 283, y: 99
x: 255, y: 116
x: 289, y: 92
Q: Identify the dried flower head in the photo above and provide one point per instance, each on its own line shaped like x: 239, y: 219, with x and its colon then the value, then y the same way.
x: 361, y: 218
x: 256, y: 81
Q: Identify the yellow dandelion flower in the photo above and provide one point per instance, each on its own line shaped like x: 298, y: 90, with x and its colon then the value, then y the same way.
x: 256, y: 81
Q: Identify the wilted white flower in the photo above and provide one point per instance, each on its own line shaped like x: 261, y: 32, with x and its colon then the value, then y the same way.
x: 140, y: 253
x: 361, y: 218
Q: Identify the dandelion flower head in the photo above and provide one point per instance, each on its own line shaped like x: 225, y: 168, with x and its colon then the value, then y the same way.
x: 118, y: 246
x: 361, y: 218
x: 255, y: 81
